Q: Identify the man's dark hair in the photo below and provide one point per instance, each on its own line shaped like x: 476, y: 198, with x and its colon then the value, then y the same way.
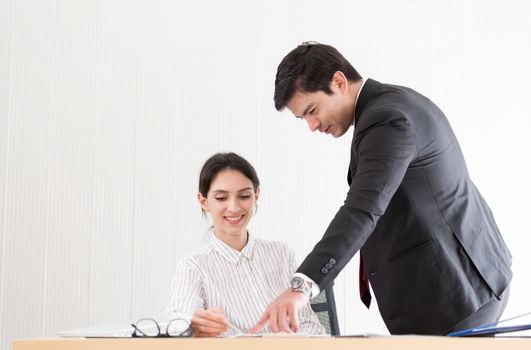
x: 309, y: 68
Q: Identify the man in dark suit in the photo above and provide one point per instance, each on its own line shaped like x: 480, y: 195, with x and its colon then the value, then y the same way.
x: 430, y: 246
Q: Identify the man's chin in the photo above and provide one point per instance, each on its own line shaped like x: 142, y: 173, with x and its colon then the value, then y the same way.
x: 340, y: 133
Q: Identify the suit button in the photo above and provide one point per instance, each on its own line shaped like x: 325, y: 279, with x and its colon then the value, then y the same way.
x: 328, y: 266
x: 324, y: 270
x: 332, y: 261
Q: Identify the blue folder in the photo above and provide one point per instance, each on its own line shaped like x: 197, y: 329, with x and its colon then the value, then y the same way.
x: 492, y: 328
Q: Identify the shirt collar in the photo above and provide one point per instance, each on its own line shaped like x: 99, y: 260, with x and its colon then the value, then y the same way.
x: 229, y: 253
x: 356, y: 102
x: 361, y: 87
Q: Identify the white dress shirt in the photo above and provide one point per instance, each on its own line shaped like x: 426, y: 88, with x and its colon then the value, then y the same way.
x: 242, y: 283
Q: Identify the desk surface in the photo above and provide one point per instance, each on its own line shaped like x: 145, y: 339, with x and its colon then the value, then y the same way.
x: 277, y: 343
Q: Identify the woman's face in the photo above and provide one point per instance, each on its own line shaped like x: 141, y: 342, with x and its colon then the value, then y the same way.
x: 230, y: 202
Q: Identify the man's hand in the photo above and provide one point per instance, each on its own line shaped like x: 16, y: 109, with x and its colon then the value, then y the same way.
x: 209, y: 323
x: 285, y: 307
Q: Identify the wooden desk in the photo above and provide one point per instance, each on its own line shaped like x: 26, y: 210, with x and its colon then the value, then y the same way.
x: 277, y: 343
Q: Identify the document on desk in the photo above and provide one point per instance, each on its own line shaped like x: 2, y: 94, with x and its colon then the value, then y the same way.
x: 120, y: 329
x: 278, y: 335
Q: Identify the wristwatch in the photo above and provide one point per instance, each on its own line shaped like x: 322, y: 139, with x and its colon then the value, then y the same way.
x: 298, y: 284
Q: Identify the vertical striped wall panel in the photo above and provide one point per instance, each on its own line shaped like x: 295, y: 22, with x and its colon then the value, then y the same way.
x: 108, y: 109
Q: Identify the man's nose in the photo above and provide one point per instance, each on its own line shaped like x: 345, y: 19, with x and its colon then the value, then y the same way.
x: 313, y: 123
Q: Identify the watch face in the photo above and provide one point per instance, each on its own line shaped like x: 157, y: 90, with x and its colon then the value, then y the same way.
x: 296, y: 282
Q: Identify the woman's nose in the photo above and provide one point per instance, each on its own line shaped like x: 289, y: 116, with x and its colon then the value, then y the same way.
x: 234, y: 205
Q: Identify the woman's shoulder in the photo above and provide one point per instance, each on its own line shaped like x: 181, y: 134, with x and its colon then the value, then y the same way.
x: 276, y: 245
x: 195, y: 257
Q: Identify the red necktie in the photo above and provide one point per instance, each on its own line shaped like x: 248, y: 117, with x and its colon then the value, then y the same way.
x: 365, y: 292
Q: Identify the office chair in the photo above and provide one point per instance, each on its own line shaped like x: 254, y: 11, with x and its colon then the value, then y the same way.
x: 324, y: 306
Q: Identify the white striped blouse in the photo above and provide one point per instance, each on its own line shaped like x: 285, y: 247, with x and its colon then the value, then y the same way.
x: 241, y: 283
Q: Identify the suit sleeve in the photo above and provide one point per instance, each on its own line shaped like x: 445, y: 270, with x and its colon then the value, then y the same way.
x: 384, y: 148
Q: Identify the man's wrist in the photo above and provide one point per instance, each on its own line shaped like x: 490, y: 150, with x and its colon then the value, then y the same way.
x: 309, y: 288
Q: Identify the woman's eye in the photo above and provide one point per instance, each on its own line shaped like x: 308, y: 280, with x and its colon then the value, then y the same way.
x: 246, y: 196
x: 221, y: 199
x: 313, y: 111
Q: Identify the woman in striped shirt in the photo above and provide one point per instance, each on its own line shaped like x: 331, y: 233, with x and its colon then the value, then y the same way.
x: 224, y: 287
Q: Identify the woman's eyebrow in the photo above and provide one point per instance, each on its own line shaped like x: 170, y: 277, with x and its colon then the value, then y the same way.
x: 223, y: 191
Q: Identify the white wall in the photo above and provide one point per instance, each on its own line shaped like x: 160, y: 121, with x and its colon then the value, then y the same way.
x: 109, y: 108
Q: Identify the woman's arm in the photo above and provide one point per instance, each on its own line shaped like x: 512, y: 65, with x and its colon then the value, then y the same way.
x: 187, y: 301
x: 187, y: 293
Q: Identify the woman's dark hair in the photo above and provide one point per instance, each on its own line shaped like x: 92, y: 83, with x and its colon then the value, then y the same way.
x: 309, y: 68
x: 222, y: 161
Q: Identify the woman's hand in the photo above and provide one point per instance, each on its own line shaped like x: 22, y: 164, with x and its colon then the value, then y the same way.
x: 209, y: 323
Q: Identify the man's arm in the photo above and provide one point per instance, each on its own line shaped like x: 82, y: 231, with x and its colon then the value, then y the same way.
x: 384, y: 151
x: 384, y: 147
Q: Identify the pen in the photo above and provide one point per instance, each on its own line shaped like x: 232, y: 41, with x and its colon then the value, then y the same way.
x: 234, y: 327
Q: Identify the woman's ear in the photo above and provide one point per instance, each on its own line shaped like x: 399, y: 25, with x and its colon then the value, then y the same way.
x: 257, y: 194
x: 203, y: 202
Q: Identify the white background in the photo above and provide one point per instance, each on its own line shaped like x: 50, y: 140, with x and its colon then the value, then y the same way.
x: 109, y: 108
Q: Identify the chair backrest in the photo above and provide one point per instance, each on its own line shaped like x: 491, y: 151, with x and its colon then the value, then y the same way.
x: 324, y: 306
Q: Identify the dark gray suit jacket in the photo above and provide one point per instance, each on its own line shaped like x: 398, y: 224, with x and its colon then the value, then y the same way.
x: 431, y: 247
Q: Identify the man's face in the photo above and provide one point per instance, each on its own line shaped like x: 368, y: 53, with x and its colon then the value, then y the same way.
x: 331, y: 114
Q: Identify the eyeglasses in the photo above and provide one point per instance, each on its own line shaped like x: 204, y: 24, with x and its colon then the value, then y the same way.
x: 148, y: 327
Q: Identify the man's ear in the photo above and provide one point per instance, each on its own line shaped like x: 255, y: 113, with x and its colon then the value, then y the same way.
x: 203, y: 202
x: 340, y: 81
